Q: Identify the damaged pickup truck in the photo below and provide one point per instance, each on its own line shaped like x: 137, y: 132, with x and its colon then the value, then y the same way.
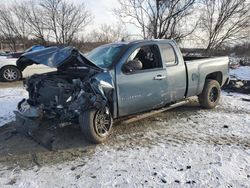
x: 116, y: 80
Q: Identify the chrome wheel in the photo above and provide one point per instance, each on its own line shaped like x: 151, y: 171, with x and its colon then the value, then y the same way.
x: 102, y: 122
x: 10, y: 74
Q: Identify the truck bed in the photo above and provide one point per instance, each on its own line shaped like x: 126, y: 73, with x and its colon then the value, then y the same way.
x: 199, y: 68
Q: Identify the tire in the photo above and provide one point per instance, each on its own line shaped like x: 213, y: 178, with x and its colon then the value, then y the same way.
x: 92, y: 124
x: 210, y: 95
x: 10, y: 74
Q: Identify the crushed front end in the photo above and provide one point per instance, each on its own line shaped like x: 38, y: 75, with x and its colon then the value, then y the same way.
x: 62, y: 95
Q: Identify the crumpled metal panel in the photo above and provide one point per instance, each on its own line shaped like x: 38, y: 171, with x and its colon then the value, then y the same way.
x: 101, y: 86
x: 55, y: 57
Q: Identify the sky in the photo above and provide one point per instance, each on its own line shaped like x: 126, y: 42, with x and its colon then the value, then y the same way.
x: 102, y: 12
x: 101, y: 9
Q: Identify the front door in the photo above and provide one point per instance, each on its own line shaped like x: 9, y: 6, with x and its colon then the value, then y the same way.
x: 144, y: 89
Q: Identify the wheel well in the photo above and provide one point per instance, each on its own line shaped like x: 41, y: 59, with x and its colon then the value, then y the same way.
x: 21, y: 74
x: 215, y: 76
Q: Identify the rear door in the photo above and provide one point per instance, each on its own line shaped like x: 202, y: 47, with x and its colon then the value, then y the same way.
x: 143, y: 89
x: 176, y: 71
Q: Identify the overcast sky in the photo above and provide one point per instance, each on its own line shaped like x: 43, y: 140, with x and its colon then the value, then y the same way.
x: 102, y: 12
x: 101, y: 9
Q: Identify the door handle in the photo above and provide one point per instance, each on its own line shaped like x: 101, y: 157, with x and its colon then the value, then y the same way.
x: 159, y: 77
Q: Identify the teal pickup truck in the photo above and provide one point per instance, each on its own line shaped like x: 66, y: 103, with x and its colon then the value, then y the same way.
x: 116, y: 80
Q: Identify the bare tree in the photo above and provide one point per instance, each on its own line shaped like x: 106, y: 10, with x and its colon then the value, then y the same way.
x: 34, y: 18
x: 6, y: 28
x: 156, y: 18
x: 223, y: 21
x: 13, y: 27
x: 44, y: 20
x: 108, y: 33
x: 20, y: 20
x: 64, y: 19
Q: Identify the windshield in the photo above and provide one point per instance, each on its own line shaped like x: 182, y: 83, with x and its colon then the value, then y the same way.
x: 103, y: 56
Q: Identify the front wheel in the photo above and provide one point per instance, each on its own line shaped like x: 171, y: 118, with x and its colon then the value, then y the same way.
x: 210, y: 95
x: 96, y: 124
x: 10, y: 74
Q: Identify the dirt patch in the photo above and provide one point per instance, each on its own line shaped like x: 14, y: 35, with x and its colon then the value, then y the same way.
x: 18, y: 149
x: 11, y: 84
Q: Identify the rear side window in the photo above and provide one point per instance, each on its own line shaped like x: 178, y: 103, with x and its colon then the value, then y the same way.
x: 168, y: 55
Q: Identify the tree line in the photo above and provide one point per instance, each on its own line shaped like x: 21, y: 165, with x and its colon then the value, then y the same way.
x: 214, y: 23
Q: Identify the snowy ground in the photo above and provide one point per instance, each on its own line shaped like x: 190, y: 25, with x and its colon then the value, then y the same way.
x: 194, y: 148
x: 242, y: 73
x: 9, y: 97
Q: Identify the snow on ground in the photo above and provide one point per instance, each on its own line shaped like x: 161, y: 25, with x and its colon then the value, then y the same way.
x: 9, y: 97
x: 199, y: 148
x: 242, y: 73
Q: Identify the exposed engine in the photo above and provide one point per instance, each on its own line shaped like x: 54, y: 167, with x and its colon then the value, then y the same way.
x: 62, y: 95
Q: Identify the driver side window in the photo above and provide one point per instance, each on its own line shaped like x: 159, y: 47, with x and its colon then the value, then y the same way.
x: 143, y: 58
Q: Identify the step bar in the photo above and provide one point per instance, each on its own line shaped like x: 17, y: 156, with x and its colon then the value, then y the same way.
x: 151, y: 113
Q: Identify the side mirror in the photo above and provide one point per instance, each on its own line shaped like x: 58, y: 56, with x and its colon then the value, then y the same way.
x: 132, y: 65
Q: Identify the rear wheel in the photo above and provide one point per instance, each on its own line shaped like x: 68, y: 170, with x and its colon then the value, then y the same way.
x: 96, y: 124
x: 210, y: 95
x: 10, y: 74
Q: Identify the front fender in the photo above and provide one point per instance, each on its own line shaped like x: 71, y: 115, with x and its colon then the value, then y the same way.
x: 5, y: 62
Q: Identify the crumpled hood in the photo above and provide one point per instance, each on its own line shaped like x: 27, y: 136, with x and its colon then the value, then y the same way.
x: 55, y: 57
